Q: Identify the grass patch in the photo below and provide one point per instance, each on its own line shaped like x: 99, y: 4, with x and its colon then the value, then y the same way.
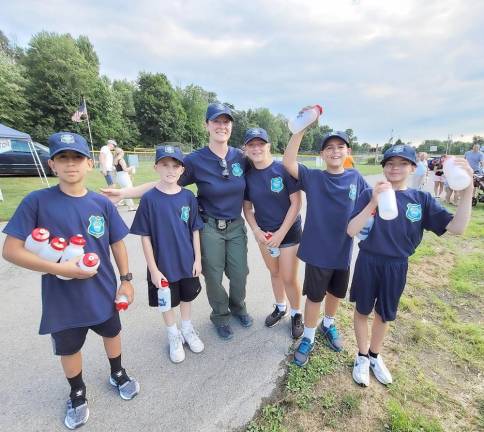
x: 467, y: 275
x: 270, y: 420
x: 424, y: 250
x: 400, y: 420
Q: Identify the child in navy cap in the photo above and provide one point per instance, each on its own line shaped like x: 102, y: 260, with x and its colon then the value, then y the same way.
x: 325, y: 247
x: 271, y: 207
x: 168, y: 222
x: 71, y: 307
x: 381, y: 267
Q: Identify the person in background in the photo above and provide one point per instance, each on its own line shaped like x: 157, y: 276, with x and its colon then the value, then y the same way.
x: 123, y: 174
x: 106, y: 161
x: 475, y: 158
x: 439, y: 178
x: 349, y: 161
x: 420, y: 174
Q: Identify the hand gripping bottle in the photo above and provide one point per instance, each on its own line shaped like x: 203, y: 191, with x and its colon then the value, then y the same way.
x: 363, y: 234
x: 53, y: 251
x: 74, y: 249
x: 37, y: 240
x: 387, y: 204
x: 89, y: 262
x: 273, y: 251
x: 305, y: 118
x: 457, y: 177
x: 164, y: 296
x: 121, y: 303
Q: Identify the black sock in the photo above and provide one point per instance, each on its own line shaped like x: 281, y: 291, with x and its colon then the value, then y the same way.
x: 78, y: 390
x: 363, y: 355
x: 372, y: 354
x: 115, y: 364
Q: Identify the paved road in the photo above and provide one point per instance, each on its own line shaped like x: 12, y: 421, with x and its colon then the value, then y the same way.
x: 218, y: 390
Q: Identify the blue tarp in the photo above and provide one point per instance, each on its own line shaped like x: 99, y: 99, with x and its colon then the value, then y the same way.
x: 6, y: 132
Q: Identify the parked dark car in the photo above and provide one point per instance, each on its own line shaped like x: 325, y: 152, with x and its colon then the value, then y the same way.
x: 16, y: 158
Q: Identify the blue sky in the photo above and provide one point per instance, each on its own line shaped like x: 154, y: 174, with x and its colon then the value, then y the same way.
x: 414, y: 67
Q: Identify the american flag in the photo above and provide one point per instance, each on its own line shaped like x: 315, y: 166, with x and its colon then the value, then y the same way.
x: 80, y: 113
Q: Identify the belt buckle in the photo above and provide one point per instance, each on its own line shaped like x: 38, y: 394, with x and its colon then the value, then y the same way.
x: 221, y: 224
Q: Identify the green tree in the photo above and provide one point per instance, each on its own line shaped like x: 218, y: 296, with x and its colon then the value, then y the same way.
x: 124, y: 93
x: 58, y: 75
x: 159, y: 113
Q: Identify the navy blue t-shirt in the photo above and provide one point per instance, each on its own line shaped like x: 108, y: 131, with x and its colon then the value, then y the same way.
x: 170, y: 221
x: 73, y: 303
x: 330, y: 201
x: 398, y: 238
x: 219, y: 197
x: 268, y: 190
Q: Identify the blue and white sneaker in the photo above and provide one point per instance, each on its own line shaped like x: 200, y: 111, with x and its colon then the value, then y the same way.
x: 301, y: 355
x: 128, y: 387
x: 76, y: 417
x: 332, y: 337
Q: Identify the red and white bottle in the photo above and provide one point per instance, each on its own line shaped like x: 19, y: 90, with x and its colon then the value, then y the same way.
x: 305, y: 118
x: 274, y: 252
x: 164, y: 296
x: 74, y: 249
x: 53, y: 251
x: 37, y: 240
x: 89, y: 262
x: 121, y: 303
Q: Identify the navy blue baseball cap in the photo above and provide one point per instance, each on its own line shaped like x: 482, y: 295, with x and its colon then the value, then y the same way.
x: 401, y: 150
x: 164, y: 151
x: 63, y: 141
x: 217, y: 109
x: 256, y: 132
x: 338, y: 134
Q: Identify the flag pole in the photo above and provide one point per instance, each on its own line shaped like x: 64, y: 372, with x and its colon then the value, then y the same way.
x: 89, y: 127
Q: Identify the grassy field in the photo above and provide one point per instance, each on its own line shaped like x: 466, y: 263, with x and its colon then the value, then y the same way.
x: 15, y: 188
x: 435, y: 351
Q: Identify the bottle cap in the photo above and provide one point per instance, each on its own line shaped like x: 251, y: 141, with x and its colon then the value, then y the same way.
x: 320, y: 108
x: 58, y: 243
x: 40, y: 234
x: 164, y: 283
x: 90, y: 259
x: 267, y: 236
x: 77, y: 240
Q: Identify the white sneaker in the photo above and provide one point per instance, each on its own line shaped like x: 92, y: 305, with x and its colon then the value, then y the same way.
x: 177, y: 353
x: 193, y: 341
x: 361, y: 371
x: 380, y: 371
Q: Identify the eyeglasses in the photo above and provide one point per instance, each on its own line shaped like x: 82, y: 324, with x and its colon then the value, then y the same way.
x: 223, y: 165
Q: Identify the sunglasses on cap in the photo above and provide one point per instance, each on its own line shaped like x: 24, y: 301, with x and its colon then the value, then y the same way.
x: 223, y: 165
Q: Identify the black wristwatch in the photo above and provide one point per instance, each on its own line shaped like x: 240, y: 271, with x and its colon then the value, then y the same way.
x: 127, y: 277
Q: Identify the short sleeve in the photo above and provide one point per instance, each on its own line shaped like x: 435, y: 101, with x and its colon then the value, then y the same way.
x: 117, y: 228
x: 436, y: 217
x: 362, y: 184
x: 24, y: 220
x: 303, y: 174
x: 187, y: 178
x: 291, y: 183
x: 196, y: 223
x: 361, y: 202
x: 141, y: 222
x: 247, y: 192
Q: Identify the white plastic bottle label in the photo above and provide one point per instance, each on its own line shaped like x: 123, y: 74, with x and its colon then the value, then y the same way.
x: 274, y: 252
x: 164, y: 297
x: 304, y: 118
x: 456, y: 177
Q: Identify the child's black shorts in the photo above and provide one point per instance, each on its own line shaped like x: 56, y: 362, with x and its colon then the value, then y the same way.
x: 70, y: 341
x: 292, y: 237
x: 378, y: 282
x: 185, y: 290
x: 319, y: 281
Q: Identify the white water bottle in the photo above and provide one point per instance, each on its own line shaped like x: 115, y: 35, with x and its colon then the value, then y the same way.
x: 37, y: 240
x: 89, y: 262
x: 305, y: 118
x: 53, y: 251
x: 363, y: 234
x: 274, y: 252
x: 74, y: 249
x: 456, y: 177
x: 164, y: 296
x: 121, y: 303
x: 387, y: 204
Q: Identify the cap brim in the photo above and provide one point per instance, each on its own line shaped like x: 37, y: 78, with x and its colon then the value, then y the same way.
x: 400, y: 156
x: 88, y: 155
x: 323, y: 144
x: 214, y: 116
x: 255, y: 137
x: 172, y: 157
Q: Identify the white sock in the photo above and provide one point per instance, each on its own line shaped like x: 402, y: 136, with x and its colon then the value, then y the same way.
x: 172, y: 330
x: 328, y: 321
x: 294, y: 312
x: 309, y: 333
x: 186, y: 325
x: 281, y: 306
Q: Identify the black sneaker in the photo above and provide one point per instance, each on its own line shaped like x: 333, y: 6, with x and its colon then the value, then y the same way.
x: 297, y: 326
x: 276, y: 316
x: 224, y: 331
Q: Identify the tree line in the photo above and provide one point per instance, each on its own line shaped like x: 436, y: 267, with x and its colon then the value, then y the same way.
x: 41, y: 87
